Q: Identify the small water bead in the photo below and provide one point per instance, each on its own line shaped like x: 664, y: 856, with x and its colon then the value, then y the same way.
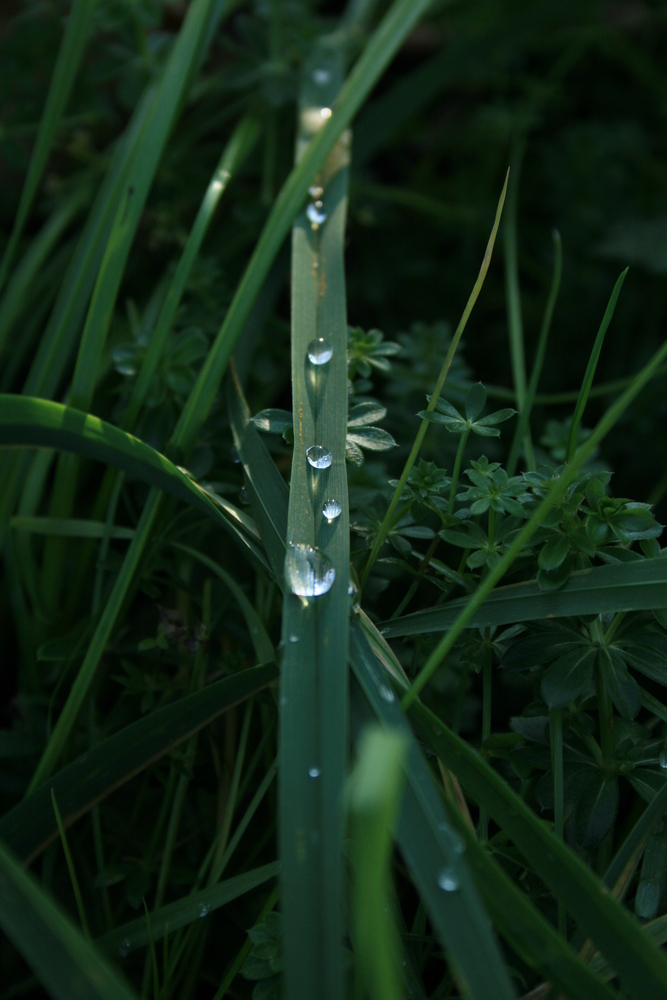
x: 351, y: 588
x: 448, y: 880
x: 663, y: 757
x: 203, y: 909
x: 325, y: 113
x: 308, y: 571
x: 320, y: 351
x: 386, y: 693
x: 318, y: 456
x: 243, y: 497
x: 314, y: 772
x: 315, y: 214
x: 321, y: 77
x: 293, y: 638
x: 124, y: 947
x: 331, y: 510
x: 315, y: 192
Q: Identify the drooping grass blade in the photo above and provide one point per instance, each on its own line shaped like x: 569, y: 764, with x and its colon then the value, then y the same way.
x: 313, y: 691
x: 58, y: 954
x: 633, y: 586
x: 30, y: 826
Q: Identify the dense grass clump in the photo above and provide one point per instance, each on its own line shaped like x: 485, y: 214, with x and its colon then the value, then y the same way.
x: 332, y: 465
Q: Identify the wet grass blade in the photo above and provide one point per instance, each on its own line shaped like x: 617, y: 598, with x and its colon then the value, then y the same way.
x: 313, y: 691
x: 182, y: 912
x: 69, y: 527
x: 67, y: 65
x: 431, y: 852
x: 58, y: 954
x: 70, y: 867
x: 641, y: 966
x: 633, y: 586
x: 30, y: 826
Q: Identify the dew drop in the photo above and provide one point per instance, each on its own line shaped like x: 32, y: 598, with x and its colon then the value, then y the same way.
x: 321, y: 77
x: 124, y: 947
x: 315, y: 192
x: 319, y: 351
x: 314, y: 772
x: 315, y: 215
x: 386, y: 693
x: 331, y: 510
x: 293, y: 638
x: 351, y: 588
x: 318, y: 456
x: 448, y: 880
x: 308, y: 571
x: 663, y: 757
x: 234, y: 455
x: 243, y: 497
x: 325, y: 113
x: 203, y: 909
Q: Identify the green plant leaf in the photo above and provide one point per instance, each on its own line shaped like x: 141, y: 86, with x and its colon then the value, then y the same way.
x: 568, y: 677
x: 623, y: 689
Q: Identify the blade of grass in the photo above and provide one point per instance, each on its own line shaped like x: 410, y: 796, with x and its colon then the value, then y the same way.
x: 67, y: 65
x: 439, y: 385
x: 621, y: 587
x: 313, y: 690
x: 641, y: 966
x: 604, y: 426
x: 71, y: 869
x: 592, y: 365
x: 151, y: 945
x: 183, y: 912
x: 425, y: 840
x: 524, y: 414
x: 30, y: 826
x: 69, y: 527
x: 58, y: 954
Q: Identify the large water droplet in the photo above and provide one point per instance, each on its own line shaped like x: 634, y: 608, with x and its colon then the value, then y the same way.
x: 203, y: 909
x: 318, y: 456
x: 316, y: 216
x: 313, y: 772
x: 319, y: 351
x: 321, y: 77
x: 308, y: 571
x: 663, y: 757
x: 448, y: 880
x: 386, y: 693
x: 124, y: 947
x: 331, y: 510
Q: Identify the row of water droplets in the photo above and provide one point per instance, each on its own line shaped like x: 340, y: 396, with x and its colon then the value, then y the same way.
x: 308, y: 571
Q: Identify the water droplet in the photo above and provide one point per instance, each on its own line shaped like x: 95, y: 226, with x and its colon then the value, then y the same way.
x: 124, y: 947
x: 282, y: 701
x: 351, y: 588
x: 308, y: 571
x: 318, y: 456
x: 321, y: 77
x: 315, y: 191
x: 386, y: 693
x: 315, y: 215
x: 319, y: 351
x: 203, y: 909
x: 325, y: 113
x: 243, y: 497
x: 234, y: 455
x: 314, y: 772
x: 331, y: 510
x: 293, y: 638
x: 663, y: 757
x: 448, y: 880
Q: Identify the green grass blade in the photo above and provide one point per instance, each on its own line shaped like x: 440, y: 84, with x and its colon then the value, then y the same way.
x: 634, y: 586
x: 67, y: 65
x: 424, y: 838
x: 313, y: 692
x: 30, y: 827
x: 592, y: 365
x: 641, y: 966
x: 604, y: 426
x: 39, y: 423
x: 68, y: 527
x: 381, y: 48
x: 128, y: 937
x: 58, y: 954
x: 151, y: 945
x: 524, y: 415
x: 70, y: 867
x: 636, y: 838
x: 260, y: 639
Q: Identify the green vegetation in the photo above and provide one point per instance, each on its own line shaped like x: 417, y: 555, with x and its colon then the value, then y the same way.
x: 332, y: 465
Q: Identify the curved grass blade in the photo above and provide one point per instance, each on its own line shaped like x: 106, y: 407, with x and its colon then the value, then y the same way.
x: 58, y: 954
x: 424, y: 836
x: 633, y: 586
x: 592, y: 365
x: 604, y: 426
x: 67, y: 65
x: 69, y: 527
x: 641, y: 966
x: 128, y: 937
x: 313, y: 689
x: 30, y: 826
x: 40, y: 423
x: 262, y: 644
